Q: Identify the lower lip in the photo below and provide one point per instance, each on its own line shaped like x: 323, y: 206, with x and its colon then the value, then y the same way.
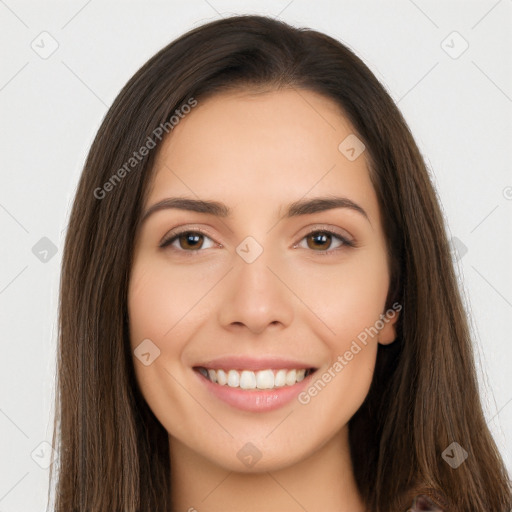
x: 255, y: 401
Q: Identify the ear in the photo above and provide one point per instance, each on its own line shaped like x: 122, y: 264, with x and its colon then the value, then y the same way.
x: 388, y: 333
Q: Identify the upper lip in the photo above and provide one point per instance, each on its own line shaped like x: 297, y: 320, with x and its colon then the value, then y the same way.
x: 251, y: 363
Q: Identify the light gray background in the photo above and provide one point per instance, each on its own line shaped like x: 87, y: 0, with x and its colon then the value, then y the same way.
x: 458, y: 105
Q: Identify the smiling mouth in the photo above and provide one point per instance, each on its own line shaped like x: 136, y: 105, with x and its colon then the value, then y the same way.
x: 255, y: 380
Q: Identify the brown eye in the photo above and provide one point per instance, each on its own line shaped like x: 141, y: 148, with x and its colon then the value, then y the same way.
x: 187, y: 241
x: 190, y: 240
x: 319, y: 240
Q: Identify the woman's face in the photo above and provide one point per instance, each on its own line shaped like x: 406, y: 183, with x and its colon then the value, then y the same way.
x: 254, y: 285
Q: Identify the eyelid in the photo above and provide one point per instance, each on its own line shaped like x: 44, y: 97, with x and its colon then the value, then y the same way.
x: 346, y: 239
x: 174, y: 233
x: 328, y: 228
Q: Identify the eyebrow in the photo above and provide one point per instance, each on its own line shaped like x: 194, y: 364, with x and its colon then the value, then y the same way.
x: 297, y: 208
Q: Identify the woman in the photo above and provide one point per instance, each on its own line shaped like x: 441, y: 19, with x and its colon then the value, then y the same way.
x: 258, y: 305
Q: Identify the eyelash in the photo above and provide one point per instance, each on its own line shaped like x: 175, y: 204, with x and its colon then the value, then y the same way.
x: 345, y: 242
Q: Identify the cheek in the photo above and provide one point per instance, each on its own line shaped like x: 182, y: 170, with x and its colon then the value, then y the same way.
x: 160, y: 309
x: 338, y: 390
x: 348, y: 298
x: 161, y: 302
x: 162, y: 316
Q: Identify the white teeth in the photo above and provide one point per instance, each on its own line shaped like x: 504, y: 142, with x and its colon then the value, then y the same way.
x: 233, y: 379
x: 291, y: 377
x: 246, y: 379
x: 280, y: 379
x: 265, y: 379
x: 221, y: 377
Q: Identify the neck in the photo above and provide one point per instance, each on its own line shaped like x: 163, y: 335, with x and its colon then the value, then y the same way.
x: 322, y: 481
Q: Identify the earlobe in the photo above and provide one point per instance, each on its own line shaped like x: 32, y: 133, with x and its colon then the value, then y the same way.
x: 388, y: 333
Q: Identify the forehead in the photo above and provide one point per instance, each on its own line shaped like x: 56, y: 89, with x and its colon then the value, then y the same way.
x: 267, y: 147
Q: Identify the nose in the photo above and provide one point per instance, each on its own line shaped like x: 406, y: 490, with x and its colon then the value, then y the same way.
x: 255, y: 297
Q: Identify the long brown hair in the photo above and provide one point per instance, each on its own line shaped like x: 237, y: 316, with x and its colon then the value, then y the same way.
x: 113, y: 452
